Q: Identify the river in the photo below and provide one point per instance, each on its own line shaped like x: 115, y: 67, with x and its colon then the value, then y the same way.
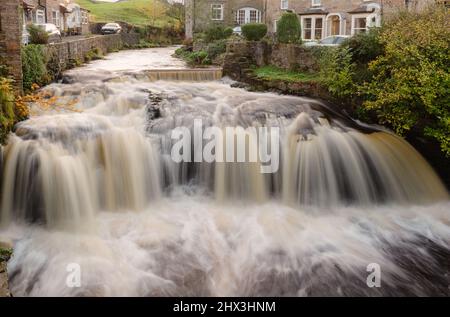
x: 96, y: 205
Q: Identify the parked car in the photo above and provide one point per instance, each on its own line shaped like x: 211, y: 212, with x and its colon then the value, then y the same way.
x: 334, y: 40
x: 25, y: 36
x: 54, y: 35
x: 237, y: 30
x: 111, y: 28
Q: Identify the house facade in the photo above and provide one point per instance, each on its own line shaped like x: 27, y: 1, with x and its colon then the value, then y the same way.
x: 68, y: 16
x: 318, y: 18
x: 10, y: 40
x: 322, y: 18
x: 201, y: 14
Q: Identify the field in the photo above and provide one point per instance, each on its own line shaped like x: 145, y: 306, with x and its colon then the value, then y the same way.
x: 137, y: 12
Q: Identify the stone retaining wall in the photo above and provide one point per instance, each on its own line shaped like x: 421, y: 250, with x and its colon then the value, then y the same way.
x: 10, y: 40
x: 286, y: 56
x: 76, y: 50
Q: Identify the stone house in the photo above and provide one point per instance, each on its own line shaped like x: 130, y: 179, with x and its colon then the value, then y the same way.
x: 10, y: 40
x: 201, y: 14
x: 68, y: 16
x: 322, y: 18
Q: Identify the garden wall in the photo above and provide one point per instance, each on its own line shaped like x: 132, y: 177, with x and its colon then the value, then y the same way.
x: 241, y: 55
x: 10, y: 40
x: 76, y: 50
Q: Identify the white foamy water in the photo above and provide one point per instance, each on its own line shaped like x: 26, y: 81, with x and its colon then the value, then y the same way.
x: 98, y: 188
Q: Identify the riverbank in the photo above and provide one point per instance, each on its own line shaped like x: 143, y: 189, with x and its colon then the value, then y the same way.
x: 5, y: 254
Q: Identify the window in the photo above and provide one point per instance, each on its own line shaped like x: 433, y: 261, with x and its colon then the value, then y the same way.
x: 312, y: 27
x: 307, y: 28
x: 40, y: 17
x: 284, y: 4
x: 315, y: 3
x: 275, y: 22
x: 55, y: 18
x: 217, y: 11
x: 248, y: 15
x: 318, y: 29
x: 359, y: 25
x: 84, y: 17
x: 254, y: 16
x: 362, y: 22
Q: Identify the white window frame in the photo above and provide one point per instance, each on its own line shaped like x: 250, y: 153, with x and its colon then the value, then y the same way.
x: 84, y: 17
x: 247, y: 15
x: 284, y: 4
x: 275, y: 22
x: 369, y: 24
x: 55, y: 18
x: 214, y: 7
x: 316, y: 3
x: 313, y: 26
x: 40, y: 14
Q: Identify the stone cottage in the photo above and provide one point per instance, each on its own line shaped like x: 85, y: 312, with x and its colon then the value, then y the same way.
x: 322, y: 18
x: 201, y: 14
x: 68, y: 16
x: 10, y: 40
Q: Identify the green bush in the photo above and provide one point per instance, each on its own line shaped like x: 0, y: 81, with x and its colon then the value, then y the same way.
x: 34, y: 66
x: 93, y: 54
x: 365, y: 46
x: 288, y: 29
x: 37, y: 35
x: 254, y: 31
x: 228, y: 32
x: 216, y: 33
x: 337, y: 71
x: 193, y: 58
x: 7, y: 117
x: 411, y: 79
x: 216, y: 48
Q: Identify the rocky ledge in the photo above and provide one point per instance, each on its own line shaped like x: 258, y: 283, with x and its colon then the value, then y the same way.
x: 5, y: 254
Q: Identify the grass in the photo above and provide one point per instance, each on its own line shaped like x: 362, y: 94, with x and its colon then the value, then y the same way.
x: 274, y: 73
x: 136, y: 12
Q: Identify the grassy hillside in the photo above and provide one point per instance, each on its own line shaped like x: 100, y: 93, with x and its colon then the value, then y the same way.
x: 137, y: 12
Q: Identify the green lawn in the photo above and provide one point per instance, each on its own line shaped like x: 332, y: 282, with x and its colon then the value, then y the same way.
x: 274, y: 73
x: 137, y: 12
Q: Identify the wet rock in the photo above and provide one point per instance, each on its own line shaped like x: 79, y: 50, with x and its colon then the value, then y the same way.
x: 5, y: 254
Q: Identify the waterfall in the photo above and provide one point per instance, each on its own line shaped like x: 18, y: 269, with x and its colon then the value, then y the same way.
x: 185, y: 75
x: 97, y: 184
x: 63, y: 174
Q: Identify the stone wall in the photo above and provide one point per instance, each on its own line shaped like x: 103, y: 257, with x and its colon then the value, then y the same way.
x: 76, y: 50
x: 10, y: 39
x: 199, y: 18
x: 241, y: 55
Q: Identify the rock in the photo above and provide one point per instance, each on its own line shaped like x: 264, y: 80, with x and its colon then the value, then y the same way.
x: 5, y: 254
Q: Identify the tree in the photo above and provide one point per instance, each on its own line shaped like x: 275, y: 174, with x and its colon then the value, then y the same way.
x: 411, y: 80
x: 288, y: 29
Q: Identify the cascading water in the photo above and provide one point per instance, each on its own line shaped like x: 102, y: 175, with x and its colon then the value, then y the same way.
x: 99, y: 188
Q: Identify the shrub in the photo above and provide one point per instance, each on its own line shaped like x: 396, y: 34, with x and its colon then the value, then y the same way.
x: 365, y: 46
x: 216, y: 33
x: 337, y: 71
x: 93, y: 54
x: 37, y: 35
x: 288, y: 29
x: 216, y: 48
x: 7, y: 117
x: 33, y: 66
x: 228, y: 32
x: 411, y: 79
x: 254, y: 31
x: 199, y: 58
x: 193, y: 58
